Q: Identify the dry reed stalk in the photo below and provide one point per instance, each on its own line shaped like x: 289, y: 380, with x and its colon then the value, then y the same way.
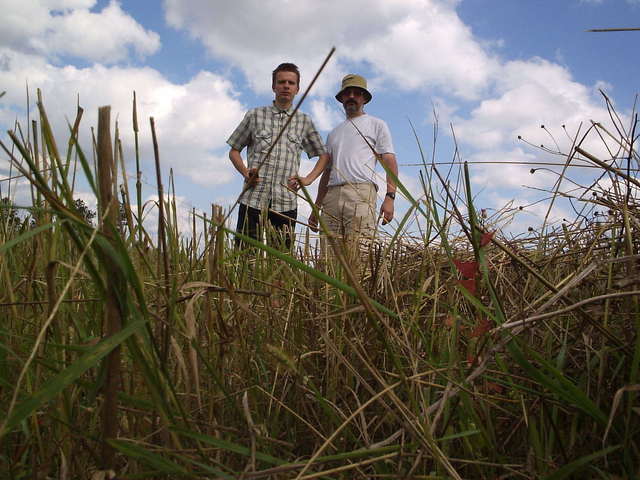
x: 163, y: 253
x: 608, y: 167
x: 138, y: 171
x: 73, y: 139
x: 192, y: 337
x: 113, y: 313
x: 124, y: 190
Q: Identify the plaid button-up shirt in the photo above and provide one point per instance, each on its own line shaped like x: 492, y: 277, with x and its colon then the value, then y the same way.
x: 257, y: 131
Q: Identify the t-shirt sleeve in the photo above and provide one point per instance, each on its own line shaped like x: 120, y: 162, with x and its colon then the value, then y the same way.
x: 384, y: 144
x: 241, y: 136
x: 311, y: 142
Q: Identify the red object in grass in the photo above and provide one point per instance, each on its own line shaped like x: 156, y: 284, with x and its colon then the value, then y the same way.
x: 469, y: 284
x: 482, y: 327
x: 467, y: 269
x: 450, y: 321
x: 494, y: 387
x: 486, y: 238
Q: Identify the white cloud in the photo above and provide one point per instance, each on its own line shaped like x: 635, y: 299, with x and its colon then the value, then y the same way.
x: 193, y: 120
x: 201, y: 113
x: 411, y: 183
x: 502, y: 169
x: 408, y: 45
x: 530, y: 94
x: 456, y: 63
x: 184, y: 216
x: 325, y: 116
x: 304, y: 210
x: 210, y: 170
x: 388, y: 37
x: 17, y: 189
x: 515, y: 215
x: 56, y: 28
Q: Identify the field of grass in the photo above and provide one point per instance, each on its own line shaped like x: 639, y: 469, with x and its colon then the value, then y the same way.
x: 460, y: 352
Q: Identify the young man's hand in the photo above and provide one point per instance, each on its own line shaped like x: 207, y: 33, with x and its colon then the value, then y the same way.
x: 252, y: 178
x: 295, y: 182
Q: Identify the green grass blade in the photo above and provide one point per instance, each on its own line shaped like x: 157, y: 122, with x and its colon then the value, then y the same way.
x: 160, y: 463
x: 576, y: 465
x: 229, y: 446
x: 208, y: 469
x: 56, y: 384
x: 25, y: 236
x: 556, y: 382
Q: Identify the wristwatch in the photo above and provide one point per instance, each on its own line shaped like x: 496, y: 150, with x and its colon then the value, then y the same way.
x: 391, y: 195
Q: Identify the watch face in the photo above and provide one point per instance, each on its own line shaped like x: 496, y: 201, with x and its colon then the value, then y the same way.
x: 391, y: 195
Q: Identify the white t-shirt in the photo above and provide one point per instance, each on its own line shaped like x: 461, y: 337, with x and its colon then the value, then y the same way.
x: 352, y: 160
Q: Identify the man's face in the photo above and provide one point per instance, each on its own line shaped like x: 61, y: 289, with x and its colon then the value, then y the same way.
x: 285, y: 87
x: 353, y: 99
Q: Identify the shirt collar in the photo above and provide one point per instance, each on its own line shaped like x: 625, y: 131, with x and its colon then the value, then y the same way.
x: 276, y: 110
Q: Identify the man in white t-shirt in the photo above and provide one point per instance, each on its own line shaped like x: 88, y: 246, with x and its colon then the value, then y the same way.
x: 347, y: 191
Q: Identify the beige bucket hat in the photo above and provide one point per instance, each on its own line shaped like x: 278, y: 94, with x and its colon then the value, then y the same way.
x: 353, y: 80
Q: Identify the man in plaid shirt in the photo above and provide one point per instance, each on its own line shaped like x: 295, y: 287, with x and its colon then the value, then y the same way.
x: 270, y: 180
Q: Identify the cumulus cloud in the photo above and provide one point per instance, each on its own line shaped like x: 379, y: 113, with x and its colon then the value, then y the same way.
x: 19, y: 192
x: 193, y: 120
x: 493, y: 170
x: 528, y: 94
x: 381, y: 35
x: 55, y: 28
x: 325, y: 115
x: 183, y: 211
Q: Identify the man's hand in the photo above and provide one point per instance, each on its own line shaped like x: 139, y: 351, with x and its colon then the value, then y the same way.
x: 386, y: 210
x: 313, y: 222
x: 295, y: 182
x: 252, y: 178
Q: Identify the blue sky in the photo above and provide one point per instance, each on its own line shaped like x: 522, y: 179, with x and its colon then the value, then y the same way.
x: 491, y: 69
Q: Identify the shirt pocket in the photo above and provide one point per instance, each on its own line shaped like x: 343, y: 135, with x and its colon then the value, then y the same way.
x: 294, y: 142
x: 263, y: 140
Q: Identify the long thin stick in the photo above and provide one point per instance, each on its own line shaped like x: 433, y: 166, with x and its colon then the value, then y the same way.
x: 600, y: 30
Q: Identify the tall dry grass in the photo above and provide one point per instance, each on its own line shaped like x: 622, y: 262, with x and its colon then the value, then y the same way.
x: 459, y: 352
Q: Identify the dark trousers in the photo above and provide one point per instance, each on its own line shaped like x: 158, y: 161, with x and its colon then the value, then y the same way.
x: 279, y: 225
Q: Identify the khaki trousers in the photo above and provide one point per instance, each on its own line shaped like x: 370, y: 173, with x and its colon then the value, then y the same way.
x: 349, y: 212
x: 350, y: 209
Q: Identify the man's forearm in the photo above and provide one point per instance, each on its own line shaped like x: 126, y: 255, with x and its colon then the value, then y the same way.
x: 318, y: 168
x: 391, y: 166
x: 238, y: 163
x: 323, y: 187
